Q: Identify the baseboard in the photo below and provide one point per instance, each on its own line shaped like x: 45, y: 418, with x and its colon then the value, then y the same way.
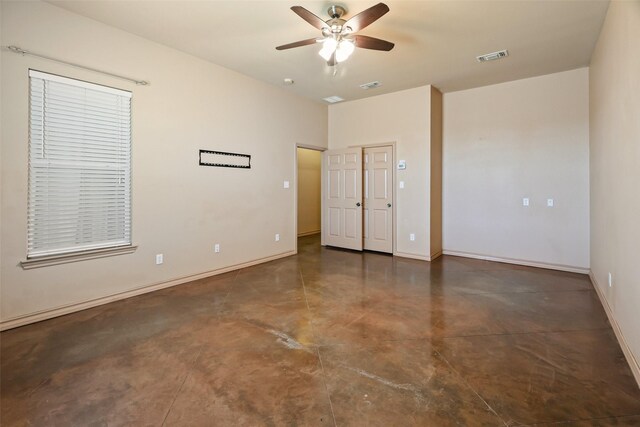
x: 549, y: 266
x: 631, y: 360
x: 412, y: 256
x: 435, y: 255
x: 308, y: 233
x: 72, y: 308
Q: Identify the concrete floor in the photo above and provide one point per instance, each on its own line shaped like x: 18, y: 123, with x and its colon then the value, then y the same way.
x: 330, y: 337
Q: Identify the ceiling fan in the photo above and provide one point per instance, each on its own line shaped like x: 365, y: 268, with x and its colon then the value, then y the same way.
x: 338, y: 35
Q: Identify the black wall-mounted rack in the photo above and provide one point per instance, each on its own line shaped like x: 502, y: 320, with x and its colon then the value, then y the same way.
x: 243, y: 164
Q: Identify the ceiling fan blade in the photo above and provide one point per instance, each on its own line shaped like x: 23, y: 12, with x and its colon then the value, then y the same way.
x: 332, y: 61
x: 297, y: 44
x: 309, y: 17
x: 367, y: 42
x: 366, y: 17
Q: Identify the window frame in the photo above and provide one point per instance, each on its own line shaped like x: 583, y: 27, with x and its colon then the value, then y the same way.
x: 98, y: 248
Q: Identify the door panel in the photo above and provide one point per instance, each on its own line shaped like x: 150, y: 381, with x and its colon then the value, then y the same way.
x: 351, y: 223
x: 380, y: 190
x: 334, y: 222
x: 365, y: 223
x: 342, y: 204
x: 378, y: 199
x: 351, y: 184
x: 334, y: 184
x: 379, y: 225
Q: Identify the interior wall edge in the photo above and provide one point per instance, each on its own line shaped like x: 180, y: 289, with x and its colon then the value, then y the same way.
x: 626, y: 349
x: 39, y: 316
x: 528, y: 263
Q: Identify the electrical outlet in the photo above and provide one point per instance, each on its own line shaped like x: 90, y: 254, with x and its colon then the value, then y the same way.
x: 525, y: 201
x: 216, y: 248
x: 550, y: 203
x: 159, y: 259
x: 277, y: 237
x: 285, y: 184
x: 610, y: 280
x: 412, y: 237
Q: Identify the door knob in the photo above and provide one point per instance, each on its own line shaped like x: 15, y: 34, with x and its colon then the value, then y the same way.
x: 358, y: 204
x: 388, y: 205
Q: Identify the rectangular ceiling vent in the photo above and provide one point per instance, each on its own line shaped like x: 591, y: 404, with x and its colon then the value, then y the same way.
x: 333, y: 99
x: 371, y: 85
x: 493, y: 56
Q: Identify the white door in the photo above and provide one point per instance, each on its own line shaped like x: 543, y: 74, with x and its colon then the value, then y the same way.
x: 342, y: 204
x: 378, y: 199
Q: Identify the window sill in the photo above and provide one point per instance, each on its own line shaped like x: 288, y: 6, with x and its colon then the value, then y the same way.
x: 46, y: 261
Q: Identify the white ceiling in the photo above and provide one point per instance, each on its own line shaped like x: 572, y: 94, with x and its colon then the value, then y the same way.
x: 436, y: 41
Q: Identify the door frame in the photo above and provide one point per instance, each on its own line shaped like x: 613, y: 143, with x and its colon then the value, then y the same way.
x: 295, y: 189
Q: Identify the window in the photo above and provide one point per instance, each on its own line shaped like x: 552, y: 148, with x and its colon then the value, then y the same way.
x: 79, y: 166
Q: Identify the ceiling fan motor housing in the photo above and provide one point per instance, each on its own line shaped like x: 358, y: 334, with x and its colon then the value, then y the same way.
x: 336, y: 11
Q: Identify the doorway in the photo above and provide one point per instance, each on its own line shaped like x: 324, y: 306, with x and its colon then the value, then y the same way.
x: 309, y: 178
x: 358, y: 198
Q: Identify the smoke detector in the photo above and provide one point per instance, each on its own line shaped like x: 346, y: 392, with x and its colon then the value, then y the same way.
x: 371, y: 85
x: 493, y: 56
x: 333, y: 99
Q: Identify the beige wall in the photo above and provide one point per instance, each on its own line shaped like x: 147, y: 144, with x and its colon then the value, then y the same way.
x: 404, y: 118
x: 614, y: 86
x: 180, y: 209
x: 526, y: 138
x: 309, y: 178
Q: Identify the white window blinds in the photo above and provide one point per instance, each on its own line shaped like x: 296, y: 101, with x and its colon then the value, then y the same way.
x: 79, y: 166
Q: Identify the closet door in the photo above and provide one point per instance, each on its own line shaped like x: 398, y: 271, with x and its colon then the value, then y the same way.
x: 342, y: 198
x: 378, y: 199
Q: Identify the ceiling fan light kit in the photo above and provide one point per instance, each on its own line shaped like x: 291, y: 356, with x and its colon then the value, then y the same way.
x: 338, y: 38
x: 341, y: 49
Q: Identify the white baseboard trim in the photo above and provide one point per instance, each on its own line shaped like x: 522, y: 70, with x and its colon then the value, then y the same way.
x: 308, y: 233
x: 560, y: 267
x: 79, y: 306
x: 631, y: 360
x: 412, y: 256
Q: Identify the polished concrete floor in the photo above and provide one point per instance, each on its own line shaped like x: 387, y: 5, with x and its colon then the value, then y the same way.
x: 330, y: 337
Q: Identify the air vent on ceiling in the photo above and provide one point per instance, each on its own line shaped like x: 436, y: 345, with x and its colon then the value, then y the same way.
x: 493, y: 56
x: 333, y: 99
x: 371, y: 85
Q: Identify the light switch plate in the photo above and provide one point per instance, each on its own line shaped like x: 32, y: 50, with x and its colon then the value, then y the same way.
x: 401, y: 184
x: 412, y: 237
x: 525, y: 201
x: 159, y: 259
x: 277, y: 237
x: 286, y: 184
